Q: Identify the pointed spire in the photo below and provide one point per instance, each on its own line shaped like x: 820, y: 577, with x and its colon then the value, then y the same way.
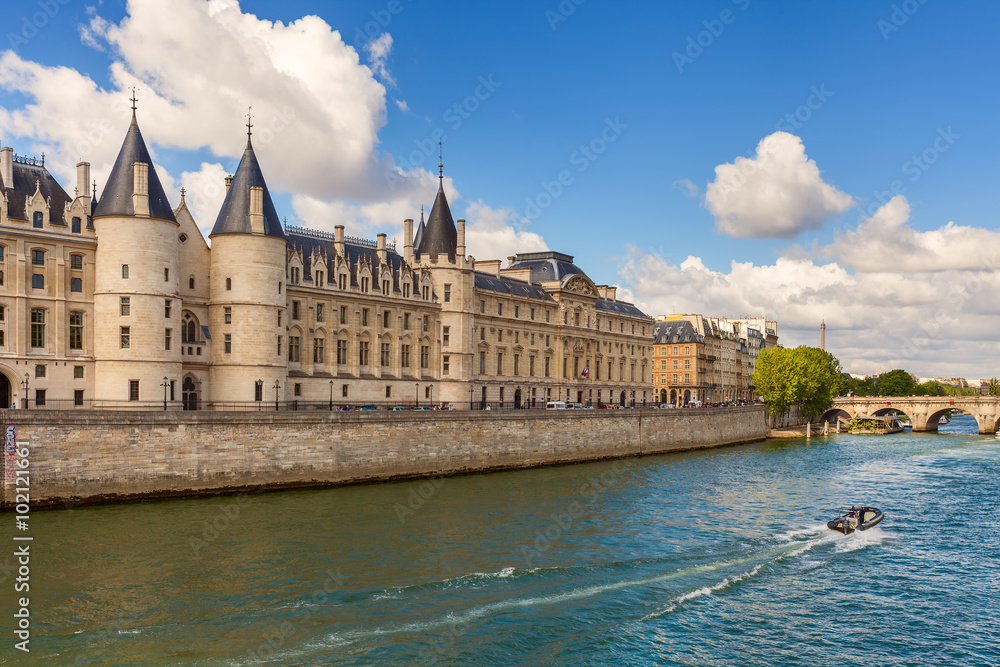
x: 235, y: 214
x: 440, y: 236
x: 118, y: 190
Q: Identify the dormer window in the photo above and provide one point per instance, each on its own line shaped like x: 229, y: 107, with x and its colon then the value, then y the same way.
x: 76, y: 225
x: 364, y: 284
x: 342, y: 281
x: 295, y: 275
x: 385, y: 287
x: 36, y: 220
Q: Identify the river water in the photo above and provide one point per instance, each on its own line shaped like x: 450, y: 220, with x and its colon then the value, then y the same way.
x: 715, y: 557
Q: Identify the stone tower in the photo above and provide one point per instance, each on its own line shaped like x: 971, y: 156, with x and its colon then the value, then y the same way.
x: 136, y: 332
x: 247, y: 291
x: 439, y: 247
x: 822, y: 335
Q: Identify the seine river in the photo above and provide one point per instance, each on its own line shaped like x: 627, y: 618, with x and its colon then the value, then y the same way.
x: 717, y: 557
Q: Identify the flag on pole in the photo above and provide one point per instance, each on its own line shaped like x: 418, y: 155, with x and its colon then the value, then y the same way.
x: 586, y: 371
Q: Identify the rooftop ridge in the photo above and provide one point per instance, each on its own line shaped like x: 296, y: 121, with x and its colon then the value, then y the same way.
x: 331, y: 236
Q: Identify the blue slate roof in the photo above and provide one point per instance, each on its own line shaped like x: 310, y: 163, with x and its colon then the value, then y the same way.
x: 26, y: 174
x: 234, y: 216
x: 440, y: 236
x: 504, y: 285
x: 117, y: 196
x: 547, y: 265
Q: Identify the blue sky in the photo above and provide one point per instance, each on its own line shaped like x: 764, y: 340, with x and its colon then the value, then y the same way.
x: 865, y: 94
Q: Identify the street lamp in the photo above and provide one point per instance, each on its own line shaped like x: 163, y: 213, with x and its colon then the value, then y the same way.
x: 258, y: 394
x: 470, y: 398
x: 331, y: 395
x: 24, y: 383
x: 165, y: 385
x: 416, y: 394
x: 277, y: 386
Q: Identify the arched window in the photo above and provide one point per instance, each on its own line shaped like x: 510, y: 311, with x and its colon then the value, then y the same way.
x: 229, y: 284
x: 191, y: 332
x: 191, y: 282
x: 124, y: 270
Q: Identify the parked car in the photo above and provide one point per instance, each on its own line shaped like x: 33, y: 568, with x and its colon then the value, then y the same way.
x: 555, y: 405
x: 424, y: 407
x: 368, y: 408
x: 396, y: 408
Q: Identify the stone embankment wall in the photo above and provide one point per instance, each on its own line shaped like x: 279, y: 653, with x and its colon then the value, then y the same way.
x: 101, y: 456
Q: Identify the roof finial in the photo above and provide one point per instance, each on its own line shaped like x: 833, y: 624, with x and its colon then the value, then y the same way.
x: 95, y: 189
x: 182, y: 195
x: 440, y: 161
x: 249, y: 124
x: 134, y: 99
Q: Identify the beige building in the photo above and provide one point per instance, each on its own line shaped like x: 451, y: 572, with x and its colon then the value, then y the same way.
x: 119, y: 301
x: 707, y: 359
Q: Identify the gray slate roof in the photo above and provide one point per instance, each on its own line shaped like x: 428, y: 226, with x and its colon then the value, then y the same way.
x: 25, y: 177
x: 504, y: 285
x: 354, y: 254
x: 234, y: 216
x: 440, y: 236
x: 117, y: 196
x: 620, y: 307
x: 546, y: 265
x: 675, y: 331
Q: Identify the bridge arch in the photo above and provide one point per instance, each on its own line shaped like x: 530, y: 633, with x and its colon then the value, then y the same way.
x: 833, y: 414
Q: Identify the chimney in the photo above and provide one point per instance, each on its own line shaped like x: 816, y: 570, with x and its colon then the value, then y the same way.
x: 460, y: 249
x: 380, y: 248
x: 7, y: 166
x: 229, y: 182
x: 408, y: 240
x: 338, y: 239
x: 140, y: 188
x: 612, y: 292
x: 83, y: 179
x: 257, y: 210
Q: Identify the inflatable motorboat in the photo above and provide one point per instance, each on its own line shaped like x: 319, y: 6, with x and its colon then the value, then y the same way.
x: 850, y: 520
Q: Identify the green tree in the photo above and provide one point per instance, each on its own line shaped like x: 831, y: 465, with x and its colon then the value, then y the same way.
x: 994, y: 387
x: 929, y: 388
x: 896, y: 383
x: 804, y: 376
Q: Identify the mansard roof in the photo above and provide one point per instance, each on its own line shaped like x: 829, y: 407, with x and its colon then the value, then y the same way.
x: 440, y: 236
x: 506, y: 285
x: 234, y: 216
x: 30, y: 174
x: 547, y: 265
x: 675, y: 331
x: 117, y: 196
x: 619, y: 307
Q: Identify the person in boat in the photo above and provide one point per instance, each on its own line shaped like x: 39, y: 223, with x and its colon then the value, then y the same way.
x: 861, y: 514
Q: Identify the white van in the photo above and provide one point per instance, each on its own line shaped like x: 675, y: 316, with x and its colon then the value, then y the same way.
x: 555, y: 405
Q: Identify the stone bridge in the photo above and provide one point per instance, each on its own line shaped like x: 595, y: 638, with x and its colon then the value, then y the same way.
x: 924, y: 411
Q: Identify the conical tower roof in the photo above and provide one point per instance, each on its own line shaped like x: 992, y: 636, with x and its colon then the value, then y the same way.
x: 234, y: 216
x: 420, y: 230
x: 117, y: 196
x: 440, y: 236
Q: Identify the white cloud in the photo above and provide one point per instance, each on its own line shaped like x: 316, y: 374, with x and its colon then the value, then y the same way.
x: 199, y: 65
x: 402, y: 105
x: 687, y: 187
x: 929, y: 320
x: 492, y: 233
x: 886, y: 242
x: 378, y: 51
x: 205, y: 192
x: 779, y: 193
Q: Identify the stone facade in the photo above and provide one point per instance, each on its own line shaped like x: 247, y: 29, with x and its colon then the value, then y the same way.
x: 709, y: 359
x: 118, y: 301
x: 98, y: 456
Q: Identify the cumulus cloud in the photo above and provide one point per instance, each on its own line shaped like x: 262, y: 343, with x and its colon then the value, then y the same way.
x: 935, y: 317
x: 492, y: 233
x: 778, y: 193
x: 886, y: 242
x: 317, y: 109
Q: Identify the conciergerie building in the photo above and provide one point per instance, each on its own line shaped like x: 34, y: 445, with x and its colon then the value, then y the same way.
x: 117, y: 301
